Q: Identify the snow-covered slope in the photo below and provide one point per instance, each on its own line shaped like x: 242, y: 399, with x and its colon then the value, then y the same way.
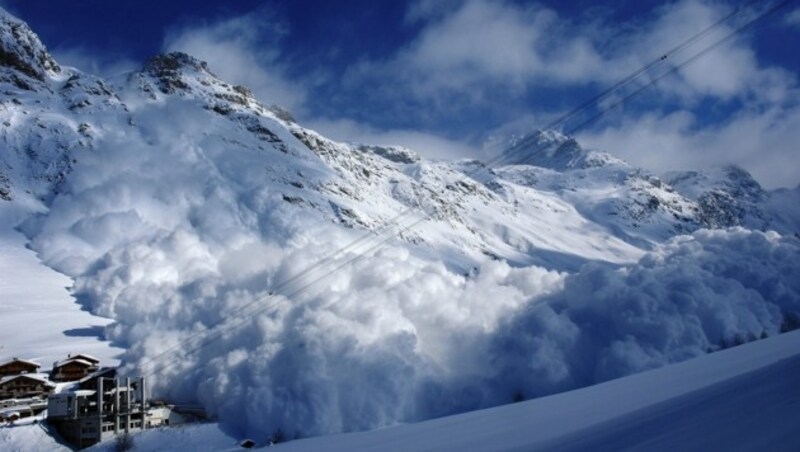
x: 637, y: 205
x: 40, y: 320
x: 288, y: 281
x: 726, y: 197
x: 45, y: 114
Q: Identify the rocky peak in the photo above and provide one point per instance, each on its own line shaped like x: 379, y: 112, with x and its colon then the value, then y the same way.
x: 185, y: 75
x: 553, y: 150
x: 171, y: 64
x: 397, y: 154
x: 726, y: 196
x: 731, y: 178
x: 170, y: 71
x: 22, y: 53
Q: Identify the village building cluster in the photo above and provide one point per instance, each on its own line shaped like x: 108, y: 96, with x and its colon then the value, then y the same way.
x: 85, y: 403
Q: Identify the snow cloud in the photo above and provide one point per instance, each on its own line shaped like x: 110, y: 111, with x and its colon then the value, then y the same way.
x: 695, y: 294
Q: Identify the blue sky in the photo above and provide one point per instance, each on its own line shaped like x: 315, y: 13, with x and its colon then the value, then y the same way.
x: 443, y: 75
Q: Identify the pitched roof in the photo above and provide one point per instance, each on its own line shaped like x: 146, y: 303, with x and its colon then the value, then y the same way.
x: 98, y: 373
x: 86, y: 357
x: 83, y: 357
x: 73, y: 360
x: 24, y: 361
x: 38, y: 377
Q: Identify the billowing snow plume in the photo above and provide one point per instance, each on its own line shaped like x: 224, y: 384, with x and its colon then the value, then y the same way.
x: 161, y: 237
x: 183, y: 237
x: 693, y: 295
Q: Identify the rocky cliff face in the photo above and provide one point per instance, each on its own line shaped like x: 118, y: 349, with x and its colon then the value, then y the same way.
x: 24, y: 61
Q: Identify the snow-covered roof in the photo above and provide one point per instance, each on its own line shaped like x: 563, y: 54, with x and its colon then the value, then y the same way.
x: 84, y: 392
x: 86, y: 357
x: 74, y: 360
x: 39, y: 377
x: 10, y: 414
x: 18, y: 360
x: 97, y: 373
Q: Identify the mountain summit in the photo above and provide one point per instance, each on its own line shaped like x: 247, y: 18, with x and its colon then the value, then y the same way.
x: 22, y: 55
x: 551, y: 149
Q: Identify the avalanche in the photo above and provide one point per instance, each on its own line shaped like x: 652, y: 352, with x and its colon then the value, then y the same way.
x: 289, y: 282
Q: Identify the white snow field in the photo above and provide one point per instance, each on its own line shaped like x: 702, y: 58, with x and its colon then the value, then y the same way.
x: 743, y: 398
x: 40, y: 320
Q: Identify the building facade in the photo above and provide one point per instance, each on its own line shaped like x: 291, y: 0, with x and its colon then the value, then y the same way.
x: 25, y: 385
x: 18, y: 366
x: 74, y: 368
x: 87, y: 416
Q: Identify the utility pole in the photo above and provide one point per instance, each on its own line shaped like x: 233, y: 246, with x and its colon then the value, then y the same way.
x: 143, y: 399
x: 116, y: 406
x: 127, y: 405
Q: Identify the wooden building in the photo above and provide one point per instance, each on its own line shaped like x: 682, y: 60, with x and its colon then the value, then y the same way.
x: 74, y: 368
x: 25, y: 385
x: 18, y: 367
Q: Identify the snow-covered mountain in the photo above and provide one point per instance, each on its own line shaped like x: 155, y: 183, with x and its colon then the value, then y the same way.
x: 255, y: 266
x: 639, y: 206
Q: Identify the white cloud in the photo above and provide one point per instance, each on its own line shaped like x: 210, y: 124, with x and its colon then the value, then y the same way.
x: 475, y: 46
x: 760, y: 141
x: 758, y: 132
x: 793, y: 18
x: 481, y: 39
x: 243, y: 50
x: 481, y: 52
x: 729, y: 71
